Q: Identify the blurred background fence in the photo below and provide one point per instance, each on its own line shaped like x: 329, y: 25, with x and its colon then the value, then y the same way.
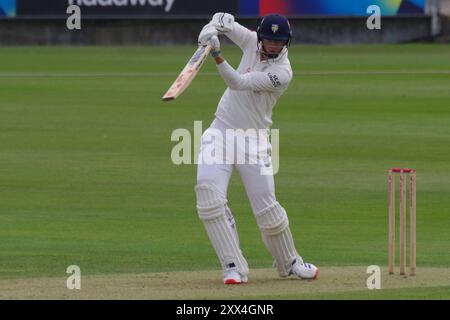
x: 135, y: 22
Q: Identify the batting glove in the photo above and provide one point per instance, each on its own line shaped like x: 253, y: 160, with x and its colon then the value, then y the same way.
x: 223, y: 22
x: 205, y: 35
x: 215, y: 46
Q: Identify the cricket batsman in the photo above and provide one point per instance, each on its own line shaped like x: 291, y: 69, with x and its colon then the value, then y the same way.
x: 253, y: 89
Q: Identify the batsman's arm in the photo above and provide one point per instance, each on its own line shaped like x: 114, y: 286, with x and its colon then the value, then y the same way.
x: 240, y: 35
x: 219, y: 59
x: 223, y: 23
x: 255, y: 81
x: 271, y: 80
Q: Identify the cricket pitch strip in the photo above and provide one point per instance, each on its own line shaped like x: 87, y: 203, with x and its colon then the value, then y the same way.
x: 263, y: 284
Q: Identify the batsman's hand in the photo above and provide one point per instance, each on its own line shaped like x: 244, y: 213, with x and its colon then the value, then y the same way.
x: 205, y: 35
x: 223, y: 22
x: 215, y: 46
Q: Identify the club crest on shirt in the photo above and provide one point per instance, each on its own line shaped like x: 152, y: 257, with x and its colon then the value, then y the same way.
x: 274, y: 79
x: 274, y: 28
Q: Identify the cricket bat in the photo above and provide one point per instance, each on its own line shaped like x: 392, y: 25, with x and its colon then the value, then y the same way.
x: 188, y: 74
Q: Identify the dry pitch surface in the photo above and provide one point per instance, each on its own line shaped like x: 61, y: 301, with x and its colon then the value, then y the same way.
x: 263, y: 284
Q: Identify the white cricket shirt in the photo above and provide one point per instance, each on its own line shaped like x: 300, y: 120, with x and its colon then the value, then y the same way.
x: 254, y: 88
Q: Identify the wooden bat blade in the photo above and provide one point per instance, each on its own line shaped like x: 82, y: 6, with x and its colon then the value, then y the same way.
x: 188, y: 73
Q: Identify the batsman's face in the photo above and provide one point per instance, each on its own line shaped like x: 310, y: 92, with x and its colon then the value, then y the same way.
x: 273, y: 46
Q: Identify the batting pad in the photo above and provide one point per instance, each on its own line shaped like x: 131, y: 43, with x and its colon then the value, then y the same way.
x: 274, y: 225
x: 232, y: 223
x: 211, y: 208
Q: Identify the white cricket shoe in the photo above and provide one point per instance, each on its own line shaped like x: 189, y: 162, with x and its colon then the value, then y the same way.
x: 304, y: 270
x: 232, y: 276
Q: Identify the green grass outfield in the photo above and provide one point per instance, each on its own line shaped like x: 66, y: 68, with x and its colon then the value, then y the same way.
x: 86, y: 176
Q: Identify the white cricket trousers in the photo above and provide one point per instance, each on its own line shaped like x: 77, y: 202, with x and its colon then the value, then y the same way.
x: 259, y: 187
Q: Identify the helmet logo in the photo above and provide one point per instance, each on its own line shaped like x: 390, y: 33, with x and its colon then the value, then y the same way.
x: 274, y: 28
